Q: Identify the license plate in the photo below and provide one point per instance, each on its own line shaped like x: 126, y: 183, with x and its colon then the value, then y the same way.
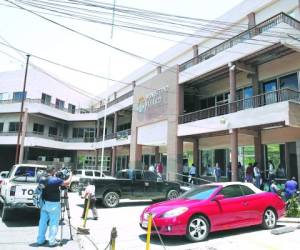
x: 145, y: 224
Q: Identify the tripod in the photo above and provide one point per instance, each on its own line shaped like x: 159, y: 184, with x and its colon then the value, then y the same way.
x: 64, y: 201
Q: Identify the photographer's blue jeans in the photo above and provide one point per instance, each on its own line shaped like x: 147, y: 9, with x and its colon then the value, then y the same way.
x: 50, y: 212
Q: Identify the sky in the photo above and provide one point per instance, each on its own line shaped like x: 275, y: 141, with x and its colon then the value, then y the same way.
x: 36, y: 36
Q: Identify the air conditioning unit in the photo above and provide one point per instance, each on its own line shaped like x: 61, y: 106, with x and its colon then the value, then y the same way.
x: 41, y: 158
x: 67, y: 159
x: 55, y: 159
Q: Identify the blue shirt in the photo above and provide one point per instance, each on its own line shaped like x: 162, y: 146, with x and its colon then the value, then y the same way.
x: 291, y: 187
x: 51, y: 192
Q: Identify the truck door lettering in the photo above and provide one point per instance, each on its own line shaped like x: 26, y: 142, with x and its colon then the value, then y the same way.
x: 30, y: 192
x: 24, y: 190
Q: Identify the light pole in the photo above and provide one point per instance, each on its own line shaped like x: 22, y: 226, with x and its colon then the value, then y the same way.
x: 17, y: 156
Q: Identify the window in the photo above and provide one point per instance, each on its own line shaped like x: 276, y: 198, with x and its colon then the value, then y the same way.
x: 46, y: 99
x: 78, y: 172
x: 246, y: 190
x: 18, y: 96
x: 201, y: 193
x: 270, y: 95
x: 71, y: 108
x: 4, y: 96
x: 97, y: 174
x: 13, y: 127
x: 28, y: 174
x: 138, y: 175
x: 52, y: 131
x: 124, y: 175
x: 87, y: 133
x: 150, y: 176
x: 59, y: 104
x: 38, y: 128
x: 1, y: 127
x: 232, y: 191
x: 88, y: 173
x: 289, y: 82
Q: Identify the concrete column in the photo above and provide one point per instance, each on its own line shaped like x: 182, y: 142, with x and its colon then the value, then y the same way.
x: 287, y: 161
x: 157, y: 154
x: 258, y: 149
x: 97, y: 137
x: 23, y: 135
x: 234, y: 154
x: 251, y: 20
x: 113, y: 160
x: 195, y: 53
x: 133, y: 84
x: 115, y: 122
x: 158, y: 69
x: 180, y: 99
x: 233, y: 132
x: 255, y: 82
x: 196, y: 152
x: 298, y: 157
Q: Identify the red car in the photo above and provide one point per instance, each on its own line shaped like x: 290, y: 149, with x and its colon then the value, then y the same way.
x: 214, y: 207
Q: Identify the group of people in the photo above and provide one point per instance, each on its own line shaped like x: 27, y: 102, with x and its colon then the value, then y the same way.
x: 158, y: 168
x: 189, y: 173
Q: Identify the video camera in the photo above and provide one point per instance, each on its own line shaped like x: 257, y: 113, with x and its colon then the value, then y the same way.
x: 64, y: 173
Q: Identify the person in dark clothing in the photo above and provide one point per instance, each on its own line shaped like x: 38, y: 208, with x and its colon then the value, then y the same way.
x: 50, y: 211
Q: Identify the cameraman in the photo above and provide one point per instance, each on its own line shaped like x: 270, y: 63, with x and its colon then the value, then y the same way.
x: 50, y: 212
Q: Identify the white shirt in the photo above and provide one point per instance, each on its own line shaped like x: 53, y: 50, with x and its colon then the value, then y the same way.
x: 185, y: 169
x: 271, y: 169
x: 151, y: 168
x: 256, y: 171
x: 90, y: 190
x: 193, y: 170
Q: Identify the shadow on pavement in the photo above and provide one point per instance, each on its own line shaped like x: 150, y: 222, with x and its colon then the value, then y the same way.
x: 22, y: 218
x: 181, y: 240
x: 122, y: 204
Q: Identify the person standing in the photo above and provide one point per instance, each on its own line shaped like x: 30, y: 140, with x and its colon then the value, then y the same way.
x: 152, y: 168
x: 271, y: 171
x: 50, y: 211
x: 159, y: 169
x: 192, y: 173
x: 257, y: 175
x: 185, y: 171
x: 217, y: 172
x: 274, y: 188
x: 89, y: 193
x: 290, y: 188
x: 249, y: 173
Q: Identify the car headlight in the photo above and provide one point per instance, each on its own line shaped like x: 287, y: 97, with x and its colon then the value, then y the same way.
x: 146, y: 215
x: 175, y: 212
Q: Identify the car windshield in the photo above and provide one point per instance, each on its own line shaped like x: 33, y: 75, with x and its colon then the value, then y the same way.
x: 199, y: 193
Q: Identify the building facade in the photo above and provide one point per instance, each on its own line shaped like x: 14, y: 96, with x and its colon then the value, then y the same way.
x: 231, y: 96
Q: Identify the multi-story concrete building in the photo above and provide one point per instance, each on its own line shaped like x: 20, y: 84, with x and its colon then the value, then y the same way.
x: 230, y: 96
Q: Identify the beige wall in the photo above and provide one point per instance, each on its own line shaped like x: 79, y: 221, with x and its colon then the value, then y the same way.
x: 164, y: 110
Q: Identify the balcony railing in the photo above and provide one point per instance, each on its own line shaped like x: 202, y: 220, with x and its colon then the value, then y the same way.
x: 77, y: 111
x: 118, y: 135
x: 248, y: 34
x: 252, y: 102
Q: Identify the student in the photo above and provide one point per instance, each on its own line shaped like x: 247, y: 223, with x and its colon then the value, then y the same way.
x: 257, y: 175
x: 274, y: 188
x: 217, y: 172
x: 192, y: 173
x: 185, y: 172
x: 290, y: 188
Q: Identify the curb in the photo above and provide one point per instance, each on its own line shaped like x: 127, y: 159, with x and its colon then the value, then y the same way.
x: 289, y: 220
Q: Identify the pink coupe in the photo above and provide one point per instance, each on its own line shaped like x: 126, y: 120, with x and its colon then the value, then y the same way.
x: 214, y: 207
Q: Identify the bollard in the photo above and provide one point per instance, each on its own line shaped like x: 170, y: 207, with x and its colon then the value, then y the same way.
x: 149, y: 232
x: 113, y: 236
x: 83, y: 229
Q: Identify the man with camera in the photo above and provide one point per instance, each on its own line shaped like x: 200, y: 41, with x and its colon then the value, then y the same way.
x: 51, y: 209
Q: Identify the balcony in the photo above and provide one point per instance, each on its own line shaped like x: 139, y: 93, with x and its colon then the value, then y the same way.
x: 253, y: 102
x: 242, y: 37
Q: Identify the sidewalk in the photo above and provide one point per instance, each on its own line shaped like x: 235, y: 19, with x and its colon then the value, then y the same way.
x: 289, y: 220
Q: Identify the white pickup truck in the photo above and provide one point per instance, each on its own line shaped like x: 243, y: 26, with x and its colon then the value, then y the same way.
x: 17, y: 189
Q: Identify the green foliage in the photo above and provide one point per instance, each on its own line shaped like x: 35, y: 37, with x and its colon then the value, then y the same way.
x: 293, y: 207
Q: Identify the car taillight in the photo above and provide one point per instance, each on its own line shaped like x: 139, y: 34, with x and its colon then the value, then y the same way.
x: 12, y: 191
x: 1, y: 181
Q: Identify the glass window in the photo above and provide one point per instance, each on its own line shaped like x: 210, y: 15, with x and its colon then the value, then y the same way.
x: 59, y: 104
x: 124, y: 175
x: 231, y: 191
x: 71, y: 108
x: 27, y: 174
x: 78, y: 172
x: 46, y: 99
x: 1, y: 127
x: 138, y: 175
x: 246, y: 190
x: 4, y: 96
x: 18, y: 96
x: 38, y: 128
x: 97, y: 174
x: 52, y: 131
x: 150, y: 176
x: 269, y: 91
x: 248, y: 93
x: 13, y: 127
x: 89, y: 173
x: 200, y: 193
x: 289, y: 81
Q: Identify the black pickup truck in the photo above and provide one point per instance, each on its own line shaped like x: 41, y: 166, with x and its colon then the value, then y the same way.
x: 132, y: 184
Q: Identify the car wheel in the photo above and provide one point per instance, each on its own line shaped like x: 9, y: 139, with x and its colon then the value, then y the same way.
x: 197, y: 228
x: 269, y: 219
x: 4, y: 213
x: 111, y: 199
x: 172, y: 194
x: 74, y: 187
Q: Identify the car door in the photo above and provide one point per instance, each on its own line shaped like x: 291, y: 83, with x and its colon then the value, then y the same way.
x: 252, y: 203
x: 138, y: 184
x: 150, y: 184
x: 229, y: 211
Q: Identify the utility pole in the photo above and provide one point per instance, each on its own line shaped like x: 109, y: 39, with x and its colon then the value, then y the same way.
x: 17, y: 157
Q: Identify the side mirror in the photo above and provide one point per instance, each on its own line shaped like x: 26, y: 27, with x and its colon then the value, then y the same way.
x: 218, y: 197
